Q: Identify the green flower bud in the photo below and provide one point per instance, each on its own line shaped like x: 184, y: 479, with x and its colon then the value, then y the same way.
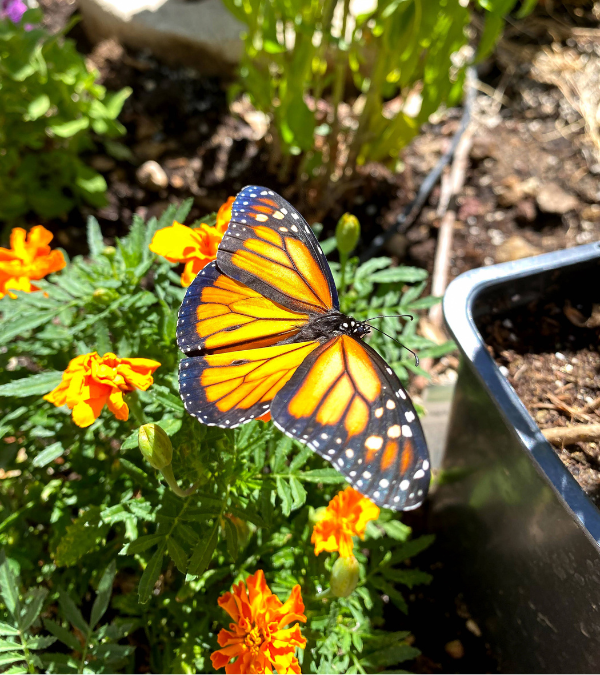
x: 347, y: 233
x: 155, y: 445
x: 344, y: 576
x: 105, y: 295
x: 109, y: 251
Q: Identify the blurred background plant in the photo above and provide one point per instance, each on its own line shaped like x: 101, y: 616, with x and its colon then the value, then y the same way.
x: 342, y: 88
x: 51, y: 111
x: 87, y: 500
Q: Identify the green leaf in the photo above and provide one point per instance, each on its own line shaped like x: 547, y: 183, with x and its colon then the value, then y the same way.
x: 65, y: 636
x: 150, y: 575
x: 38, y: 107
x: 178, y: 555
x: 15, y: 327
x: 203, y: 553
x: 49, y: 454
x: 298, y: 493
x: 163, y: 396
x: 283, y: 450
x: 141, y: 544
x: 412, y: 548
x: 80, y: 537
x: 7, y: 629
x: 232, y: 538
x: 396, y: 274
x: 68, y: 129
x: 9, y: 645
x: 9, y: 587
x: 396, y: 530
x: 113, y: 102
x: 103, y: 594
x: 34, y: 385
x: 131, y: 441
x: 94, y: 238
x: 409, y: 578
x: 40, y: 642
x: 71, y: 613
x: 10, y: 657
x: 325, y: 476
x: 33, y: 609
x: 285, y: 494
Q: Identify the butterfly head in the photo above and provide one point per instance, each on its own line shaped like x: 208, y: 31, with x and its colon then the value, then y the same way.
x: 331, y: 324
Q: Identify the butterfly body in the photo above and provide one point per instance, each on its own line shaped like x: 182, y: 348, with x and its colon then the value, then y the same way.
x: 262, y: 331
x: 333, y: 323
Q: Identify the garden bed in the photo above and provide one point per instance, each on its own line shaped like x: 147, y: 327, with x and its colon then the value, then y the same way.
x: 527, y: 144
x: 549, y: 352
x: 181, y: 121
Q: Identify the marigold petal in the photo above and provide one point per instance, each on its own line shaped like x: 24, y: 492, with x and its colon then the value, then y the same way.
x: 177, y: 243
x: 224, y: 215
x: 228, y: 603
x: 293, y: 608
x: 58, y: 395
x: 117, y: 405
x: 86, y: 412
x: 222, y: 657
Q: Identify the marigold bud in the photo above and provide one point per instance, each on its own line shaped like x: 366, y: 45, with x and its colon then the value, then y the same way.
x: 347, y: 233
x: 155, y: 445
x: 109, y: 251
x: 344, y: 576
x: 105, y: 295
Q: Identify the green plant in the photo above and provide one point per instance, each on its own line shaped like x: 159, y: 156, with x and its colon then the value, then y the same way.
x: 87, y: 500
x: 342, y: 90
x: 18, y: 645
x: 49, y: 106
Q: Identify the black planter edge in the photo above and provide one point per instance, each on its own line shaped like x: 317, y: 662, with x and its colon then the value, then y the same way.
x: 457, y: 307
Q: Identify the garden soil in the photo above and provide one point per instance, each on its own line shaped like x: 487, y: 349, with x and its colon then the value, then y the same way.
x: 532, y: 185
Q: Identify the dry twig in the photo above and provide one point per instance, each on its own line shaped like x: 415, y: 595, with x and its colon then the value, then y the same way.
x: 568, y: 435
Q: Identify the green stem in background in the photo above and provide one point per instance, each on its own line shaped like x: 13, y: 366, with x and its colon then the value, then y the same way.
x: 84, y: 654
x: 135, y: 407
x: 26, y: 652
x: 343, y: 265
x: 338, y: 91
x: 168, y: 475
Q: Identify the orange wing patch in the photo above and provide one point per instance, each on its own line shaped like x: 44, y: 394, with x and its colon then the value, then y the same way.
x: 271, y: 248
x: 220, y: 314
x: 340, y: 384
x: 230, y: 388
x: 287, y: 263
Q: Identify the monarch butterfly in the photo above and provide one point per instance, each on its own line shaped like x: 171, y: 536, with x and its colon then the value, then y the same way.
x: 262, y: 331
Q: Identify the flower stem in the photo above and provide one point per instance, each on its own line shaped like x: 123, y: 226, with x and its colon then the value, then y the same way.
x: 168, y: 475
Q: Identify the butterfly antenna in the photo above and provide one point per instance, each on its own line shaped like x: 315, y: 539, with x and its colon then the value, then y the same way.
x: 391, y: 316
x: 397, y: 342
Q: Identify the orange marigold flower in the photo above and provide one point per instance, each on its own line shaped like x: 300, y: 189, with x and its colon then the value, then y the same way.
x: 346, y: 515
x: 91, y: 381
x: 258, y: 638
x: 29, y: 257
x: 194, y: 247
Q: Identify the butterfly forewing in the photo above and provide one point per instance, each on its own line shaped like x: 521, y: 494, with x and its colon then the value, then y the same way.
x: 221, y: 314
x: 345, y: 403
x: 228, y: 389
x: 271, y: 248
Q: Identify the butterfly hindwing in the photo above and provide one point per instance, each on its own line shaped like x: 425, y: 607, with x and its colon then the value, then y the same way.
x: 345, y: 403
x: 228, y: 389
x: 221, y: 314
x: 271, y: 248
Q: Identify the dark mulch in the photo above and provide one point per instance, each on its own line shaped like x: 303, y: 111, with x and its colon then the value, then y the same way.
x: 553, y: 363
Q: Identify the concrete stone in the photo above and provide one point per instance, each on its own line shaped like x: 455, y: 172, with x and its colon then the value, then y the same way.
x: 203, y: 34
